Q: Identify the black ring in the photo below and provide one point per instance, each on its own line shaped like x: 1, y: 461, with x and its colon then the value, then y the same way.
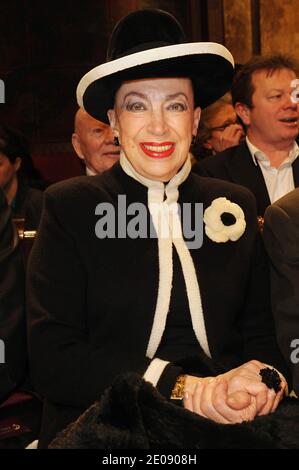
x: 270, y: 377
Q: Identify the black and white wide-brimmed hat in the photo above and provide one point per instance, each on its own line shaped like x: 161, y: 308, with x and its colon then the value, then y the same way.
x: 151, y: 44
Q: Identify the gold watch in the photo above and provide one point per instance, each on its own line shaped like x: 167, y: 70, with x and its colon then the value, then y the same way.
x: 179, y: 388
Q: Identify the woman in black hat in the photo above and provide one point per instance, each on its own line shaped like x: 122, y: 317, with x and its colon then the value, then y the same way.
x: 124, y: 276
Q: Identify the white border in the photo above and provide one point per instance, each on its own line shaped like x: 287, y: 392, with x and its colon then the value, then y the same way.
x: 148, y: 56
x: 154, y: 371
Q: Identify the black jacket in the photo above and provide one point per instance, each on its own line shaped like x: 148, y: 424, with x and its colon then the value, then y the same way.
x: 92, y: 301
x: 236, y: 165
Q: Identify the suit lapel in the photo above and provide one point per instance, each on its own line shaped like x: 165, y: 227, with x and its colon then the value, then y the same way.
x: 243, y: 171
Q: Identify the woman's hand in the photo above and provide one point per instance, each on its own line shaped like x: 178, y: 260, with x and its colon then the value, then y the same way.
x: 210, y: 399
x: 247, y: 378
x: 236, y: 396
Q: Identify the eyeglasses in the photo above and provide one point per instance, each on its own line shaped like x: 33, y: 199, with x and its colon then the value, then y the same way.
x: 223, y: 126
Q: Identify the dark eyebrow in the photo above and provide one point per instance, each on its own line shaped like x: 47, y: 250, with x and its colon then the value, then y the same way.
x: 168, y: 97
x: 135, y: 93
x: 175, y: 95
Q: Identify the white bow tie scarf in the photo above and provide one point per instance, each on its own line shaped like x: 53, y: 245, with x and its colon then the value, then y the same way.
x: 167, y: 223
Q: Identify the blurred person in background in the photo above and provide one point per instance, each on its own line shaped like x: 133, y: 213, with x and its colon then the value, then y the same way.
x: 218, y: 129
x: 19, y: 179
x: 94, y: 144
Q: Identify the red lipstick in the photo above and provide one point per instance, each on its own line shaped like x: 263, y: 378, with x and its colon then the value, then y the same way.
x: 157, y: 149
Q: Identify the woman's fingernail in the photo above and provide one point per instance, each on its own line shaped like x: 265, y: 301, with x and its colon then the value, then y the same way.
x: 186, y: 395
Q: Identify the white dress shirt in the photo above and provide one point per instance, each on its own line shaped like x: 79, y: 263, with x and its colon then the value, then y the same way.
x: 279, y: 181
x: 90, y: 172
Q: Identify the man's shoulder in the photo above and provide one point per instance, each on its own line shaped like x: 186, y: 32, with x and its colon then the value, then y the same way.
x: 281, y: 227
x: 220, y: 161
x: 34, y: 195
x: 212, y: 188
x: 287, y: 206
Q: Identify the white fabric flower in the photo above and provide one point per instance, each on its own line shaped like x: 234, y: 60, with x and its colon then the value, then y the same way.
x: 221, y: 208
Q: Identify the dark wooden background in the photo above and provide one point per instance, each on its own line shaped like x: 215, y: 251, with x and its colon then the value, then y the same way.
x: 47, y: 46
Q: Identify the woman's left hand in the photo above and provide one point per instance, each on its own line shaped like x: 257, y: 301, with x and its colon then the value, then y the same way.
x: 236, y: 396
x: 247, y: 378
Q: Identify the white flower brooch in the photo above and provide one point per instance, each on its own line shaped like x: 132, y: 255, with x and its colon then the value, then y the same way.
x: 224, y: 221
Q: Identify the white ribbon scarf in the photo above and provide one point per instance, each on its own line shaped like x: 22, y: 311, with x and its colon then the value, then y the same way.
x: 167, y: 223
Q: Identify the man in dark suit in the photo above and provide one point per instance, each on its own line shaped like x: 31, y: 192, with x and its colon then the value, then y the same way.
x: 263, y: 94
x: 281, y: 234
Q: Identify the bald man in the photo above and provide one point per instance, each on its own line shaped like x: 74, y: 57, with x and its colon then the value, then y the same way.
x: 93, y: 143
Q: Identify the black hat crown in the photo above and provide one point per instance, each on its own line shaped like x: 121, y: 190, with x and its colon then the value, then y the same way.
x: 142, y: 30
